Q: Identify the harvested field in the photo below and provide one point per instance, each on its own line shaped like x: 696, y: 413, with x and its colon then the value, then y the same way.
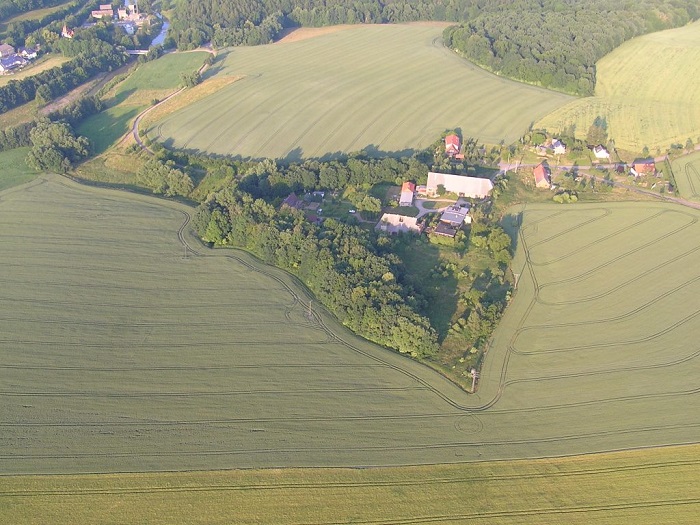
x: 656, y: 109
x: 125, y: 350
x: 391, y: 88
x: 643, y: 487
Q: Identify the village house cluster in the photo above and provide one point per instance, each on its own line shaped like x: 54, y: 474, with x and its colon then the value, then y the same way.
x: 11, y: 59
x: 127, y: 17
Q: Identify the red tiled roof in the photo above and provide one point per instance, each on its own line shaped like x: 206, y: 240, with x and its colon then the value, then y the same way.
x: 541, y: 173
x: 408, y: 186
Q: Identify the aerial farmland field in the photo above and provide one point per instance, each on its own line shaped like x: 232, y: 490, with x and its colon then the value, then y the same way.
x: 391, y: 87
x: 686, y: 171
x: 125, y: 349
x: 648, y: 91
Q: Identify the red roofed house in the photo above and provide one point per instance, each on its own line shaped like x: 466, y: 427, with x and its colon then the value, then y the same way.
x: 543, y: 177
x: 452, y: 145
x: 407, y: 191
x: 643, y: 166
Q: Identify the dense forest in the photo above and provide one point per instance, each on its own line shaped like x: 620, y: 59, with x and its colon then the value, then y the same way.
x: 553, y: 43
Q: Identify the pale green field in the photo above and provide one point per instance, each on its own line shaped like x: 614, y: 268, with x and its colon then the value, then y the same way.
x: 648, y: 91
x: 686, y: 171
x: 391, y: 87
x: 37, y: 67
x: 14, y: 168
x: 121, y: 353
x: 645, y: 487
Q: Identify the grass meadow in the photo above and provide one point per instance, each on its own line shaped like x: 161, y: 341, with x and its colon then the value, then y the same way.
x: 644, y: 487
x: 150, y: 81
x: 41, y: 64
x: 391, y: 88
x: 686, y: 171
x: 36, y: 14
x: 648, y: 91
x: 14, y: 168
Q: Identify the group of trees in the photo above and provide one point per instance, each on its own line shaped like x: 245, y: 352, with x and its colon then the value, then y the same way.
x: 9, y: 8
x: 61, y: 79
x: 164, y: 178
x: 340, y: 263
x: 55, y: 147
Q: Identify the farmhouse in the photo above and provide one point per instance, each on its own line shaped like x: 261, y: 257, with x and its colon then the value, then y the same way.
x: 407, y: 191
x: 11, y: 62
x: 452, y: 145
x: 6, y: 50
x: 452, y: 220
x: 27, y: 52
x: 292, y: 201
x: 105, y: 11
x: 393, y: 223
x: 600, y: 152
x: 474, y: 187
x: 643, y: 166
x: 558, y: 147
x: 543, y: 176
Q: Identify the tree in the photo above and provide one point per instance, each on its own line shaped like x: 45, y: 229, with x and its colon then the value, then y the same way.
x: 190, y: 79
x: 55, y: 147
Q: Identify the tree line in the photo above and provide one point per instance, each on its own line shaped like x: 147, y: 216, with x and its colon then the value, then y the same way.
x: 10, y: 8
x: 342, y: 264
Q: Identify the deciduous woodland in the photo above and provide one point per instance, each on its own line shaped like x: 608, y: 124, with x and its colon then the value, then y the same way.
x: 552, y: 43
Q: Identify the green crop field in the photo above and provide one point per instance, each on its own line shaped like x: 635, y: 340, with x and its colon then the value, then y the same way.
x: 14, y: 168
x: 389, y: 87
x: 152, y: 80
x: 122, y: 350
x: 686, y: 171
x: 643, y: 487
x: 648, y: 91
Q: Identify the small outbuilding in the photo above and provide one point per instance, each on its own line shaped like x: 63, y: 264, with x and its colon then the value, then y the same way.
x: 407, y: 192
x: 600, y: 152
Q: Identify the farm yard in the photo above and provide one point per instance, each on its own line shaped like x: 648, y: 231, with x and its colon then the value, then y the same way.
x: 391, y: 88
x: 686, y: 171
x: 647, y: 90
x: 123, y: 350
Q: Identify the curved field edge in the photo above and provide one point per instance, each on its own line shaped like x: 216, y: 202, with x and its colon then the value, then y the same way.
x: 647, y: 91
x: 221, y: 366
x: 350, y: 90
x: 643, y: 487
x: 686, y: 173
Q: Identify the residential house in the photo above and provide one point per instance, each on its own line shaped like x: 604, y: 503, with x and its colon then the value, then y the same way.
x: 27, y: 52
x: 393, y: 223
x: 452, y: 145
x: 643, y: 167
x: 292, y: 201
x: 600, y: 152
x: 543, y: 176
x: 452, y: 220
x: 6, y: 50
x: 407, y: 191
x: 474, y: 187
x: 558, y: 147
x: 10, y: 63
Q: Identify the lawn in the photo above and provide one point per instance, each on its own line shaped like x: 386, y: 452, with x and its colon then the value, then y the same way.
x: 644, y: 487
x: 150, y: 81
x: 123, y: 350
x: 655, y: 109
x: 387, y: 88
x: 686, y: 171
x: 15, y: 170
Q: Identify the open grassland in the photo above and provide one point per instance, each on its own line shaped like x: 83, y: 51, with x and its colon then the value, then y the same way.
x: 648, y: 91
x: 686, y: 171
x: 14, y: 168
x: 123, y: 350
x: 393, y: 88
x: 37, y: 67
x: 643, y: 487
x: 150, y: 81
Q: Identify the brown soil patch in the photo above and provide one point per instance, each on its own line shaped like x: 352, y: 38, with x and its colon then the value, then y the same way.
x: 296, y: 34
